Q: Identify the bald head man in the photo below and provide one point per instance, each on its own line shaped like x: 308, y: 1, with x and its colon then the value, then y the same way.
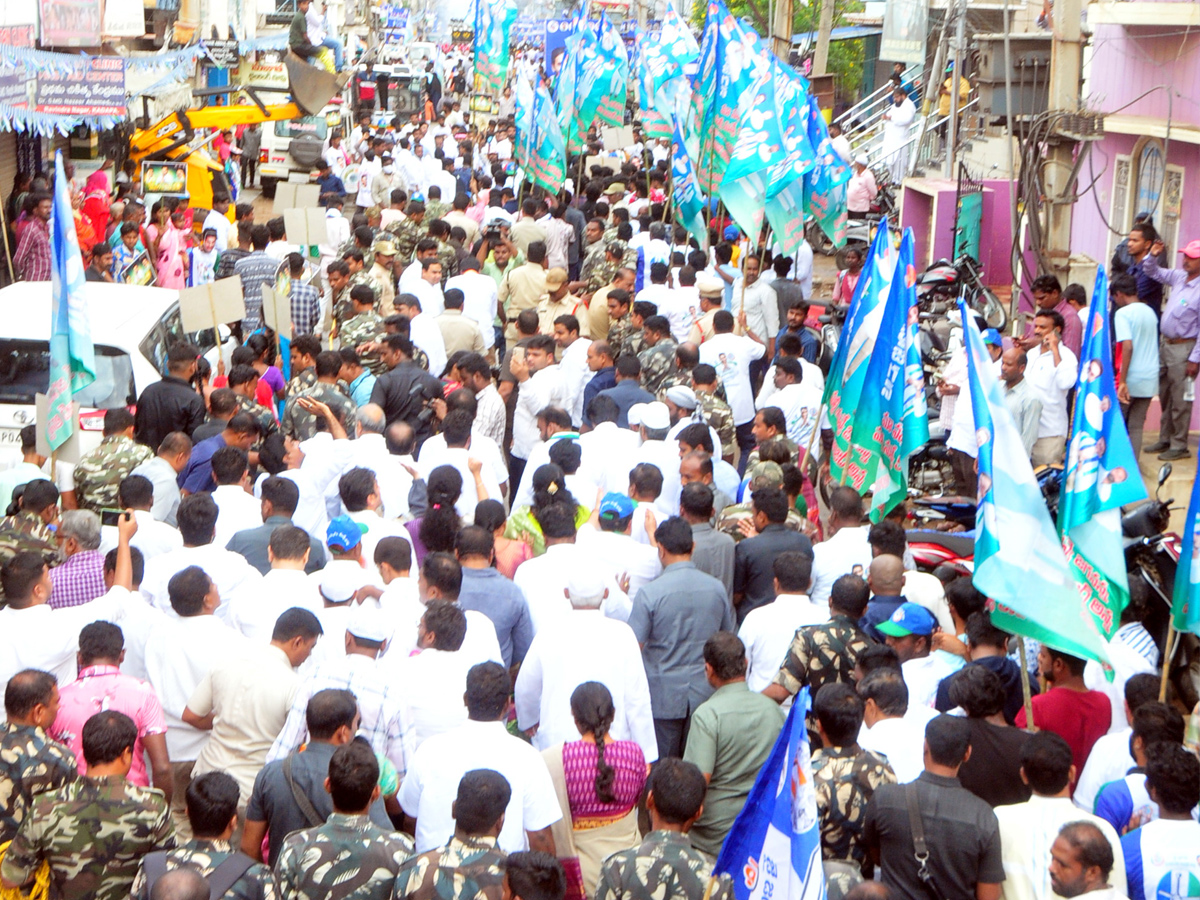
x: 180, y: 884
x: 886, y: 581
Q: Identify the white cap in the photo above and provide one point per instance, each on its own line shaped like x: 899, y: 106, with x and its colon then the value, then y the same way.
x: 584, y: 584
x: 654, y: 416
x: 368, y: 623
x: 339, y: 583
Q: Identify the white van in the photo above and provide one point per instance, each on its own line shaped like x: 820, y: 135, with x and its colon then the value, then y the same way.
x: 131, y: 329
x: 295, y: 146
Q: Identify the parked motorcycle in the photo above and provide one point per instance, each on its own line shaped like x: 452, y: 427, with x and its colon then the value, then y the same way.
x: 940, y: 286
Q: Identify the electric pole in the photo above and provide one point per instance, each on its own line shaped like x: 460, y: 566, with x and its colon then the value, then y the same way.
x: 824, y: 29
x: 781, y: 30
x: 1065, y: 69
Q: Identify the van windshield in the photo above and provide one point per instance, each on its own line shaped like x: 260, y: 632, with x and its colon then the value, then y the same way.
x: 25, y: 372
x: 293, y: 128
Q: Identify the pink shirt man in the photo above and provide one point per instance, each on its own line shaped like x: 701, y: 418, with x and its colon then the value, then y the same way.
x: 101, y: 688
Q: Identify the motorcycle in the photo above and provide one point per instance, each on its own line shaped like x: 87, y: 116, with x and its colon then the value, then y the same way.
x: 941, y: 285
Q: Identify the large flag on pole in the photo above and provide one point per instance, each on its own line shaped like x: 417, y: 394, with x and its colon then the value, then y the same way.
x: 547, y: 163
x: 887, y: 411
x: 1101, y: 476
x: 847, y: 372
x: 1019, y: 562
x: 774, y: 847
x: 493, y: 23
x: 615, y: 83
x: 1185, y: 607
x: 732, y: 61
x: 688, y: 200
x: 72, y: 355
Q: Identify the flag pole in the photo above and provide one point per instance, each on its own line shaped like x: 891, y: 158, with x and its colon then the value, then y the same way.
x: 1026, y: 692
x: 1172, y: 637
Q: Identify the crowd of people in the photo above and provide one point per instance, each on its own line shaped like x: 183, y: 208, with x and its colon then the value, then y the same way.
x: 507, y: 590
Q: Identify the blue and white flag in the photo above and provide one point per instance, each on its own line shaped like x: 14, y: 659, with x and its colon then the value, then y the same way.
x: 72, y: 355
x: 773, y: 851
x: 689, y: 201
x: 1101, y: 475
x: 1185, y: 606
x: 1019, y: 562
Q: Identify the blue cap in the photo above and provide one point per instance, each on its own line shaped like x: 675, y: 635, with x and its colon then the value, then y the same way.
x: 992, y: 336
x: 616, y: 506
x: 732, y: 233
x: 344, y: 532
x: 909, y: 618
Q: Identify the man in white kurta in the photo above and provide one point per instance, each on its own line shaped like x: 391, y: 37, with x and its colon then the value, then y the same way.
x: 582, y: 646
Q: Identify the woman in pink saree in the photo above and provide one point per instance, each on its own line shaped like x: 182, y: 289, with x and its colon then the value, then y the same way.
x: 599, y: 782
x: 166, y: 246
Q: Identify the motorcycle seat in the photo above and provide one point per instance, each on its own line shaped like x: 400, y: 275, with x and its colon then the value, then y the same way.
x: 961, y: 544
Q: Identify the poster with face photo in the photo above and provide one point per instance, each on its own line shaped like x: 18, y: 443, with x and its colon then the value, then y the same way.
x: 138, y: 272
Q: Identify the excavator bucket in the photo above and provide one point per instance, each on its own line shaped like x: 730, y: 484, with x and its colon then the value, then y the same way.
x: 312, y: 88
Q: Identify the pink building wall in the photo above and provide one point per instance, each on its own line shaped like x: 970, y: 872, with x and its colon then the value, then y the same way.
x: 1125, y: 66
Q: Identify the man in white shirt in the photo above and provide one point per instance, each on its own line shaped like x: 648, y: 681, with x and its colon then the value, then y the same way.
x: 180, y: 652
x: 574, y: 364
x: 254, y: 610
x: 544, y: 579
x: 759, y: 302
x: 482, y: 742
x: 218, y: 221
x: 197, y: 525
x: 891, y: 726
x: 482, y: 448
x: 732, y: 356
x: 768, y: 630
x: 1110, y: 759
x: 237, y: 509
x: 478, y: 480
x: 423, y: 331
x: 1028, y: 830
x: 480, y: 298
x: 799, y: 401
x: 670, y: 303
x: 490, y: 412
x: 385, y: 719
x: 163, y: 470
x: 846, y: 551
x: 541, y: 385
x: 153, y: 537
x: 608, y: 538
x: 370, y: 451
x: 359, y: 492
x: 35, y: 636
x: 584, y: 645
x: 909, y: 632
x: 1051, y: 370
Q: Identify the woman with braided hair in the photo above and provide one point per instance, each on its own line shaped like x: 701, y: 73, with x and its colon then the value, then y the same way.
x: 598, y: 781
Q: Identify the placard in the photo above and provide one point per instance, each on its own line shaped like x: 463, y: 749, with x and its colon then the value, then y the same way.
x: 139, y: 272
x: 210, y: 305
x: 289, y: 195
x: 617, y: 138
x: 68, y: 451
x: 165, y: 177
x: 124, y: 18
x: 277, y: 311
x: 306, y: 226
x: 97, y: 89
